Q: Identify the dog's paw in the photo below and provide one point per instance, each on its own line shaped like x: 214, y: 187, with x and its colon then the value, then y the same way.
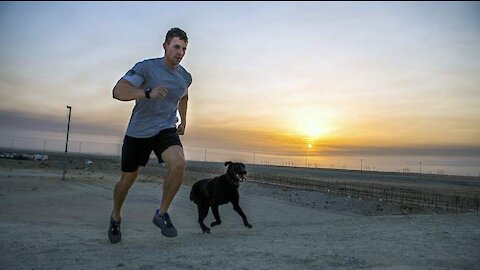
x: 215, y: 223
x: 248, y: 226
x: 206, y: 230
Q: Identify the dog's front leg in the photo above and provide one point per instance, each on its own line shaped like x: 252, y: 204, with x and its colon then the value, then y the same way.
x: 239, y: 210
x: 216, y: 215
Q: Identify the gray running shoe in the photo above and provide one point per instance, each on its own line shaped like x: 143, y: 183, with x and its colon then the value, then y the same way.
x: 114, y: 233
x: 165, y: 224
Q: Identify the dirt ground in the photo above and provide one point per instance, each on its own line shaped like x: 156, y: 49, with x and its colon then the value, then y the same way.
x: 49, y: 223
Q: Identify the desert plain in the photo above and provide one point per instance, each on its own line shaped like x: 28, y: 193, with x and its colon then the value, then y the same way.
x: 50, y: 223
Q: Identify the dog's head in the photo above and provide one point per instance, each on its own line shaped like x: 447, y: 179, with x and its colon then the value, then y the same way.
x: 236, y: 172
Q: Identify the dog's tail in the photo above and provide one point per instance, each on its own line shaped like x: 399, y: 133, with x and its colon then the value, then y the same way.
x: 192, y: 194
x: 194, y: 197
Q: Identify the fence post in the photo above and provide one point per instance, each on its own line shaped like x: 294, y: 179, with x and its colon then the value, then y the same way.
x: 456, y: 204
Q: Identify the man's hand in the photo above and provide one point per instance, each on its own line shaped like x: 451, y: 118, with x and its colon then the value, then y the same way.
x: 158, y: 92
x: 181, y: 129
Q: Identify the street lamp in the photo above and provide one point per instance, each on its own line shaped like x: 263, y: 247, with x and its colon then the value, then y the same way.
x: 66, y: 144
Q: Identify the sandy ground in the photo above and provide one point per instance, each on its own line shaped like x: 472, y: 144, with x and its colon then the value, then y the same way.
x: 48, y: 223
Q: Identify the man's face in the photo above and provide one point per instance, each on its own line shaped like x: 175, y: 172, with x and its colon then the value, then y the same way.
x: 175, y: 50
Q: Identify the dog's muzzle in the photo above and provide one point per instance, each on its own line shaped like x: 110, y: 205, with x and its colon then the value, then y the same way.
x: 241, y: 176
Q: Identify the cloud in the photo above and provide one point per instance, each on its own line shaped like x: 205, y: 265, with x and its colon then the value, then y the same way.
x: 44, y: 122
x: 278, y: 143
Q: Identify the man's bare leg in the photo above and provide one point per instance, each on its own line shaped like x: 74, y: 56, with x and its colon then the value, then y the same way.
x: 120, y: 192
x: 175, y: 159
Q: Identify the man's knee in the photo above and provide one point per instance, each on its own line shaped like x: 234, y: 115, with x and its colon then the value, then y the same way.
x: 128, y: 178
x: 175, y: 158
x: 177, y: 164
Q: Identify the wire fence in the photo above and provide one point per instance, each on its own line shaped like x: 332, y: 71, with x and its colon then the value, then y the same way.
x: 446, y: 199
x: 109, y: 148
x: 418, y: 196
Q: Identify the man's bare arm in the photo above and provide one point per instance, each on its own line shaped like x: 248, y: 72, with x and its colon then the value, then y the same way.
x: 182, y: 110
x: 125, y: 91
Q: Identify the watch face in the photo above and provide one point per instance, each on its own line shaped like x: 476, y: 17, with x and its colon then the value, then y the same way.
x: 147, y: 92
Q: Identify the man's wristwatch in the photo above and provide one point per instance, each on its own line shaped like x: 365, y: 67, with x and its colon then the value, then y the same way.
x: 147, y: 92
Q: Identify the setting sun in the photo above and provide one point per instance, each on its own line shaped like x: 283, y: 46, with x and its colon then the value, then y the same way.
x: 313, y: 128
x: 314, y: 131
x: 312, y: 123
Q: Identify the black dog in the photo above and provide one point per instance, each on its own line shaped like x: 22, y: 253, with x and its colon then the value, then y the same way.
x: 219, y: 190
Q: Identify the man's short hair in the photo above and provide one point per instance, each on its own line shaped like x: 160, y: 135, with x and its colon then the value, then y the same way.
x: 176, y: 32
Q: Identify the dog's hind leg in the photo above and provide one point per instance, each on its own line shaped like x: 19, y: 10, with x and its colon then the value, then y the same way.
x: 202, y: 214
x: 217, y: 221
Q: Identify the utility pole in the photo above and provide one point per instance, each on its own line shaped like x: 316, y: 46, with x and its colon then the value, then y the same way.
x: 66, y: 144
x: 420, y: 167
x: 361, y: 164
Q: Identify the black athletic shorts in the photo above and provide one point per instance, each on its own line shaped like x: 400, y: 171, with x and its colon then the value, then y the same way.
x: 136, y: 151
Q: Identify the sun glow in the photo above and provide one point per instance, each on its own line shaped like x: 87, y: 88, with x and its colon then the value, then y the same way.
x: 312, y: 124
x: 314, y: 131
x: 310, y: 129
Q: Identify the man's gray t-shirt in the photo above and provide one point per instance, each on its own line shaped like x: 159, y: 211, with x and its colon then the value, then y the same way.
x: 150, y: 116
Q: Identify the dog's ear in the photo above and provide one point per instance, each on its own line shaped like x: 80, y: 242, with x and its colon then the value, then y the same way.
x: 228, y: 163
